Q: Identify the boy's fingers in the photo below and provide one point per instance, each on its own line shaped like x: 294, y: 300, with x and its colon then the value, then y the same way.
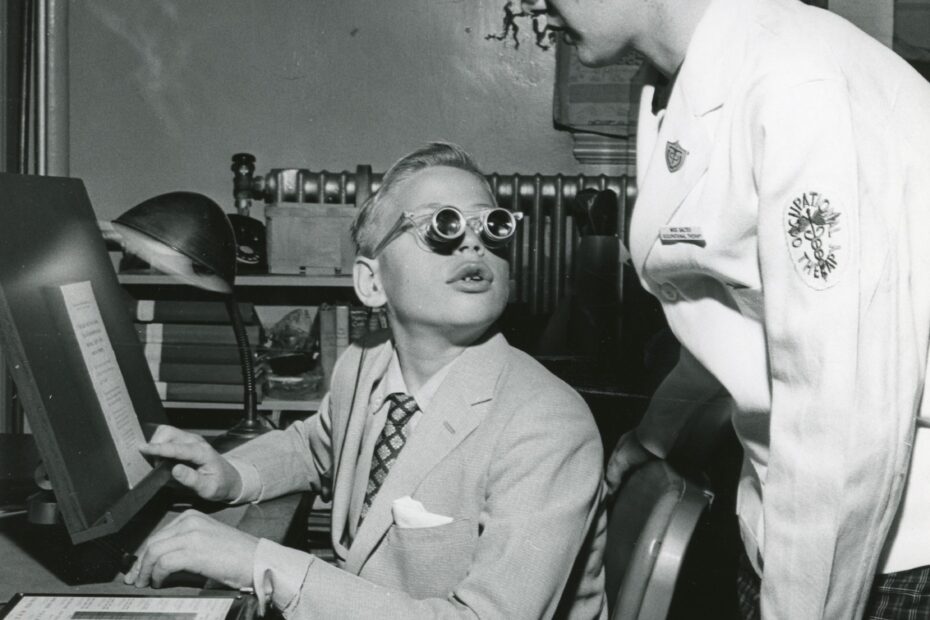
x: 168, y: 563
x: 191, y: 452
x: 202, y: 485
x: 166, y: 433
x: 186, y: 476
x: 130, y: 575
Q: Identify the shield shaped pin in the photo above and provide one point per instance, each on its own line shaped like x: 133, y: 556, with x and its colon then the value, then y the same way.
x: 674, y: 156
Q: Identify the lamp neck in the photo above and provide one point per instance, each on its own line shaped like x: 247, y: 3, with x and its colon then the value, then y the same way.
x: 245, y: 358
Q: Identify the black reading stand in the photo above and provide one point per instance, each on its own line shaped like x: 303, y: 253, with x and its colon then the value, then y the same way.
x: 49, y: 239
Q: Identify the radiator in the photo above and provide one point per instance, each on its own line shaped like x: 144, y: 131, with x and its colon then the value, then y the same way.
x: 540, y: 258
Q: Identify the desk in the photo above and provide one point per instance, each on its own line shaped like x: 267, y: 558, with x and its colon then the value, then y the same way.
x: 35, y: 558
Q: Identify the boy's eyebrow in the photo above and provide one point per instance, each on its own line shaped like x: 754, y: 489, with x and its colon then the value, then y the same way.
x: 484, y: 205
x: 427, y: 206
x: 432, y: 206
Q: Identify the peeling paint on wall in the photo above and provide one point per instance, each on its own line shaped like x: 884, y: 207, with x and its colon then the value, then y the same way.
x: 511, y: 28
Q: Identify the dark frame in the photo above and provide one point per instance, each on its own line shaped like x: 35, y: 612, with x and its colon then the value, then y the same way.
x: 50, y: 238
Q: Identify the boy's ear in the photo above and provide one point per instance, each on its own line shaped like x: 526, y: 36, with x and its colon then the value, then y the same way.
x: 367, y: 280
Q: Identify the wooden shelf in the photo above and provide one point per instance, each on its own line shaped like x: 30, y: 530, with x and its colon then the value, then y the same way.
x: 292, y: 282
x: 268, y: 404
x: 148, y: 279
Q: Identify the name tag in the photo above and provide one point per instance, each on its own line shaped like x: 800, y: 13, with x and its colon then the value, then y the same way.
x: 681, y: 234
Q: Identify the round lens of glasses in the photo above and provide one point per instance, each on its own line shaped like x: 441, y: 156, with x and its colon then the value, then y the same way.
x: 448, y: 223
x: 499, y: 224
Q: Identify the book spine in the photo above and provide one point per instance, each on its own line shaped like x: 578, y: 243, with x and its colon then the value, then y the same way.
x: 197, y: 373
x: 158, y: 353
x: 377, y: 319
x: 174, y: 333
x: 358, y: 322
x: 176, y: 311
x: 327, y: 324
x: 200, y: 392
x: 342, y: 329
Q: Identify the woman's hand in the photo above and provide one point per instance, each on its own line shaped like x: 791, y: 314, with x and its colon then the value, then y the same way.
x: 627, y: 456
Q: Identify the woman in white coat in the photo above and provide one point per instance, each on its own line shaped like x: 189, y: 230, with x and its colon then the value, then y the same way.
x: 783, y: 221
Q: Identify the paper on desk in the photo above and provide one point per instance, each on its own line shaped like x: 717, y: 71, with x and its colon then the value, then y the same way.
x: 108, y: 382
x: 51, y: 607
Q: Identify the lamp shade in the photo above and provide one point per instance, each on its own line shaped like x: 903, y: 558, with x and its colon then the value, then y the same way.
x: 185, y: 234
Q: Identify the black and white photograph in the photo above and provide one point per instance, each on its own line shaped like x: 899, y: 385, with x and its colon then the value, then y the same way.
x: 478, y: 309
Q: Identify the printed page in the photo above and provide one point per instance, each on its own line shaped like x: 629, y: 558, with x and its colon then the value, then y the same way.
x: 50, y: 607
x: 108, y: 382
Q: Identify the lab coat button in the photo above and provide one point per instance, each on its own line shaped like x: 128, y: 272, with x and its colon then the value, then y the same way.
x: 668, y: 292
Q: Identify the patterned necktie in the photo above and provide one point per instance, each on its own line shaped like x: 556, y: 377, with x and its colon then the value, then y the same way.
x: 390, y: 442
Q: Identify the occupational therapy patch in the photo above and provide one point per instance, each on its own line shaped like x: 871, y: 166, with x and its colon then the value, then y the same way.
x: 817, y: 242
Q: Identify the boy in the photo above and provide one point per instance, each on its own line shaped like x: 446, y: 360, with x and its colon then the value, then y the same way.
x: 492, y: 505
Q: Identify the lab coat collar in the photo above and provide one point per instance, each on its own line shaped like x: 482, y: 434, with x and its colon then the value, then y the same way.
x: 707, y: 73
x: 663, y: 189
x: 702, y: 87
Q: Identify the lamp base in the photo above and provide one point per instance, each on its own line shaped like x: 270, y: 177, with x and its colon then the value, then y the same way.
x: 42, y: 508
x: 244, y: 430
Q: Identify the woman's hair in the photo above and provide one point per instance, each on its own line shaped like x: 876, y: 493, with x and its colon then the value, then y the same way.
x: 369, y: 224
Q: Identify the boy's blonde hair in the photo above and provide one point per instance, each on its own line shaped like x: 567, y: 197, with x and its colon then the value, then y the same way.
x: 369, y: 224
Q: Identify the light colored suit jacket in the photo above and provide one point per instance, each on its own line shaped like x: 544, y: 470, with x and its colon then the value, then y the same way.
x: 505, y: 449
x: 783, y: 220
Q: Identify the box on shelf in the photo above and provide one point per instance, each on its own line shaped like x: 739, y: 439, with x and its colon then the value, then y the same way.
x: 309, y: 238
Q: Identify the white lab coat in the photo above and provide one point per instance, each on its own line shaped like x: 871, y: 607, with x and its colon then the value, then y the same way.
x: 783, y: 220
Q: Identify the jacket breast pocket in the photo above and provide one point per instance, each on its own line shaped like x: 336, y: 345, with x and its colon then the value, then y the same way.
x: 424, y: 562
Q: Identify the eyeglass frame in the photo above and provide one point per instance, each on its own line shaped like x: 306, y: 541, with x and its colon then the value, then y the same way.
x: 407, y: 220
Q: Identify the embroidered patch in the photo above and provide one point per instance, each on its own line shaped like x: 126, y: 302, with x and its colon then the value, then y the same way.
x: 674, y: 156
x: 816, y: 239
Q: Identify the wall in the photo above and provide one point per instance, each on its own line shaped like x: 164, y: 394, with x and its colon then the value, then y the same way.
x: 163, y: 92
x: 876, y: 17
x: 912, y: 28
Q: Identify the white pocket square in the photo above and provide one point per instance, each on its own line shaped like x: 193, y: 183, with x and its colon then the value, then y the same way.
x: 409, y: 513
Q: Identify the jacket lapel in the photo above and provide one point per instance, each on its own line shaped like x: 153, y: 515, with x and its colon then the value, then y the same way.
x: 458, y: 407
x: 647, y: 129
x: 678, y: 161
x: 371, y: 432
x: 682, y: 146
x: 349, y: 444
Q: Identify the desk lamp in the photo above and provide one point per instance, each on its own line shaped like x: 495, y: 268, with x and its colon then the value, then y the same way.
x: 188, y: 235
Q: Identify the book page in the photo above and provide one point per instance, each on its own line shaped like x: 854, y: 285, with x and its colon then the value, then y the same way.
x: 108, y: 382
x: 50, y: 607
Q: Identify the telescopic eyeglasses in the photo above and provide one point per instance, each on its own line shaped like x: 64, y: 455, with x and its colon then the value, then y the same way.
x: 442, y: 230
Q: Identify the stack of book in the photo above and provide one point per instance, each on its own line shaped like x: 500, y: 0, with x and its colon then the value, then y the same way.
x: 319, y: 539
x: 341, y: 324
x: 191, y: 348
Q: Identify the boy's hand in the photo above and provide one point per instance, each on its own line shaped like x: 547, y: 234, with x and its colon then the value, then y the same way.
x: 627, y: 456
x: 207, y: 473
x: 195, y: 543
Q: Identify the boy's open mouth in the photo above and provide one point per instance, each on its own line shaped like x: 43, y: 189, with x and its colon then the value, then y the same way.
x: 471, y: 272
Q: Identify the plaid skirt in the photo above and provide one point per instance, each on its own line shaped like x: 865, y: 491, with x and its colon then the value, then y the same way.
x: 895, y: 596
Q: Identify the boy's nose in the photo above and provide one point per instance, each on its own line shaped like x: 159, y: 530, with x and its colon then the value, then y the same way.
x: 471, y: 241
